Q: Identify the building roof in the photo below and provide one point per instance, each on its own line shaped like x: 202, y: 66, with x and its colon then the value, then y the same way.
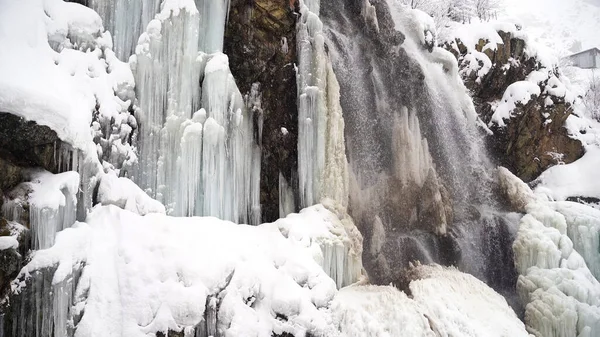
x: 586, y: 51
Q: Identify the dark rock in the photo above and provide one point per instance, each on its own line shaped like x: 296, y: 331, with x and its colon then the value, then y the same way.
x: 27, y: 144
x: 24, y: 144
x: 260, y: 40
x: 12, y: 260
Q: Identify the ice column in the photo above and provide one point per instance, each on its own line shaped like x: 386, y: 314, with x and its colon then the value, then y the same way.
x: 126, y: 20
x: 412, y: 159
x: 322, y: 164
x: 199, y: 153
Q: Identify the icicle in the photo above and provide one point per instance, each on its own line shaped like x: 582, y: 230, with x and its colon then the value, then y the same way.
x: 190, y: 165
x: 214, y: 16
x: 42, y: 304
x: 411, y: 151
x: 63, y: 297
x: 52, y: 205
x: 286, y: 198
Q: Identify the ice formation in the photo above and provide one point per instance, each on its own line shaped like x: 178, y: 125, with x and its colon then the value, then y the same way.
x: 332, y: 236
x: 48, y: 203
x: 322, y: 164
x: 443, y: 302
x: 121, y: 274
x: 198, y: 150
x: 556, y: 255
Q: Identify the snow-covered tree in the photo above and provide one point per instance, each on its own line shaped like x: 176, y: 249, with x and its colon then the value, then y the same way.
x: 487, y: 9
x: 592, y: 97
x: 462, y: 10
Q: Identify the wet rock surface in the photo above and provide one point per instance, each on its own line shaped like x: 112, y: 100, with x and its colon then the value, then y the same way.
x: 260, y: 41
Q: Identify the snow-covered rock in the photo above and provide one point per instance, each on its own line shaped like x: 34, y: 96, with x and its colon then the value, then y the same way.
x: 61, y: 70
x: 125, y: 194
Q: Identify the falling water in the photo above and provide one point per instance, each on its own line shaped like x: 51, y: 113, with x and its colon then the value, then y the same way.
x: 422, y: 182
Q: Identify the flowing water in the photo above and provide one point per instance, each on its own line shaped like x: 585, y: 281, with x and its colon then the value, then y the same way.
x: 402, y: 103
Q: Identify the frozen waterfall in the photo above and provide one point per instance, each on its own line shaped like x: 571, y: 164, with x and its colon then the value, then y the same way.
x: 199, y: 152
x: 322, y: 164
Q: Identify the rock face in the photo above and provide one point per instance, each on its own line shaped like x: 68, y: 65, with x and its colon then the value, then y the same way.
x: 535, y: 138
x: 260, y: 40
x: 11, y: 259
x: 24, y: 144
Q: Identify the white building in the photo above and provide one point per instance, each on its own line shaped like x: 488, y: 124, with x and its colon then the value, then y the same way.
x: 586, y: 59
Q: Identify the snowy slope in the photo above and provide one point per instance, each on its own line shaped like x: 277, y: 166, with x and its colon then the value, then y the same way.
x: 561, y: 28
x: 561, y: 25
x: 155, y: 273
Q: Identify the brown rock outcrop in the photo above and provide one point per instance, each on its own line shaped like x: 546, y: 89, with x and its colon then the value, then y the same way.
x: 535, y: 138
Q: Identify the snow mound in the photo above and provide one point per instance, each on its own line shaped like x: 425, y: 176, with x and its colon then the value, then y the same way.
x: 578, y: 179
x: 329, y: 232
x: 517, y: 192
x: 445, y: 302
x: 145, y: 274
x: 125, y: 194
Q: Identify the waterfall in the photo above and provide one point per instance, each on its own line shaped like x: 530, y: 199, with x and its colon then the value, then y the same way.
x: 421, y: 184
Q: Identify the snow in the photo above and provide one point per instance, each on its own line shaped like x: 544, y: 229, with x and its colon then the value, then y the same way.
x: 59, y: 68
x: 125, y: 194
x: 8, y: 242
x: 379, y: 311
x: 518, y: 93
x: 330, y: 233
x: 444, y: 302
x: 51, y: 200
x: 151, y: 273
x: 578, y: 179
x: 464, y: 305
x: 565, y: 27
